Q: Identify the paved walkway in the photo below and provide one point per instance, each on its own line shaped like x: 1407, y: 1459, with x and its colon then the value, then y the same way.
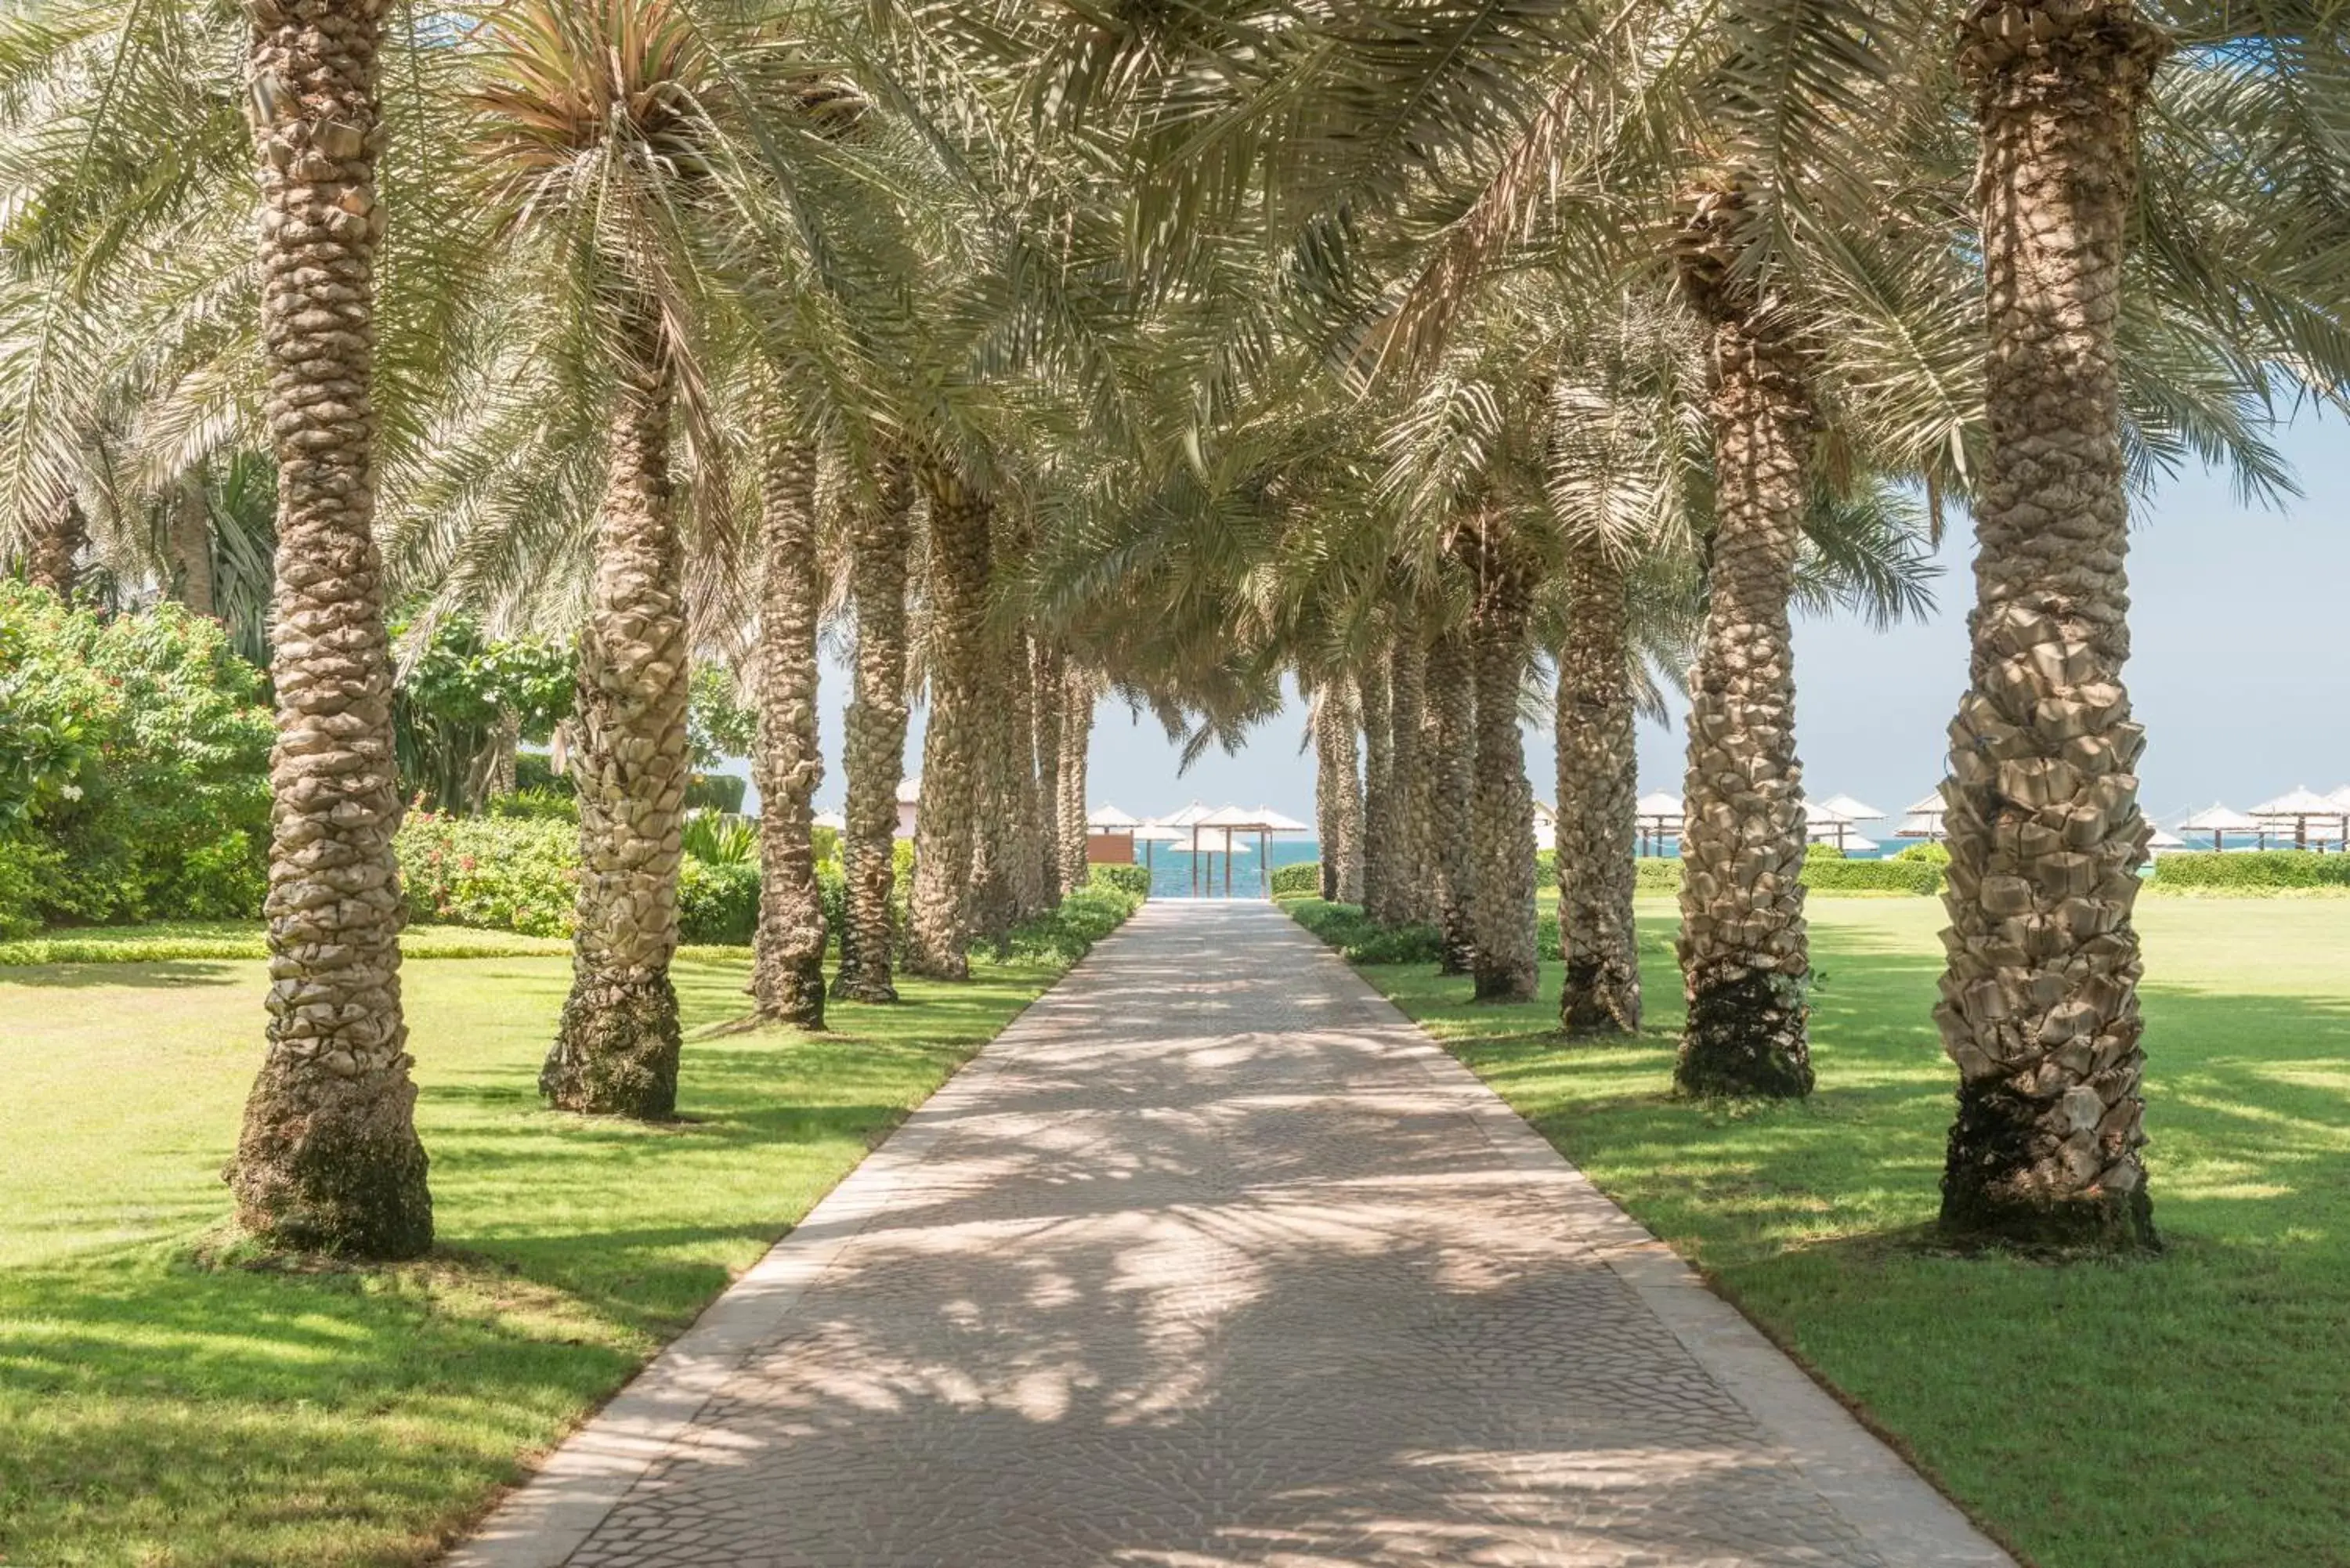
x: 1213, y: 1258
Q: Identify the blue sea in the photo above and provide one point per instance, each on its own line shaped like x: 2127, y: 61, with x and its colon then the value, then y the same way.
x: 1171, y: 871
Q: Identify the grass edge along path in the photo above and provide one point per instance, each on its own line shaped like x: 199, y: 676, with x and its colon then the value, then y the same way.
x: 167, y: 1402
x: 2188, y: 1411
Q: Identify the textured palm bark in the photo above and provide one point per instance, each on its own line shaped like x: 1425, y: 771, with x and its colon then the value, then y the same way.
x: 1046, y: 669
x: 616, y: 1049
x: 1745, y: 959
x: 1025, y: 839
x: 787, y: 955
x: 506, y: 754
x: 1412, y: 897
x: 1501, y: 802
x: 1338, y: 791
x: 1452, y: 783
x: 953, y: 747
x: 188, y: 548
x: 53, y: 555
x: 1597, y: 800
x: 1076, y: 741
x: 873, y: 753
x: 2039, y: 1003
x: 1381, y: 821
x: 328, y: 1157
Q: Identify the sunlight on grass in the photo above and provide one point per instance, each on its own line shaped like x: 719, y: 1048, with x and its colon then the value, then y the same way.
x: 158, y: 1412
x: 2188, y: 1412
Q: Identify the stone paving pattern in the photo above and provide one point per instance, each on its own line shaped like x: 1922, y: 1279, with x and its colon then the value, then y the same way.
x: 1213, y: 1258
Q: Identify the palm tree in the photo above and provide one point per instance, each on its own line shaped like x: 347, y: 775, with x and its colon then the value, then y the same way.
x: 328, y: 1156
x: 1048, y: 701
x: 2040, y: 1000
x: 1382, y: 828
x: 1076, y: 740
x: 1502, y: 806
x: 1338, y: 791
x: 587, y: 110
x: 946, y: 837
x: 1410, y: 895
x: 1451, y: 778
x: 1598, y: 774
x: 874, y: 754
x: 787, y: 965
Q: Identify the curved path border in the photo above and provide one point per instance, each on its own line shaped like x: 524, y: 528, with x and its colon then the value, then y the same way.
x: 1213, y: 1257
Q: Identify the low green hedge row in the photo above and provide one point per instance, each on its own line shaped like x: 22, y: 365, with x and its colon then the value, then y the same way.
x: 2253, y: 871
x: 1298, y: 879
x: 1130, y: 879
x: 1347, y: 928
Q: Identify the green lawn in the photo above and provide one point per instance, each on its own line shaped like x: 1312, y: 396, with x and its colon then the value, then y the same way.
x: 160, y: 1411
x: 2186, y: 1412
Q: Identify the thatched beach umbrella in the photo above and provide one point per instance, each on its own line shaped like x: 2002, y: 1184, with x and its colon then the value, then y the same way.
x: 1660, y: 816
x: 2218, y: 822
x: 1923, y: 819
x: 2298, y: 806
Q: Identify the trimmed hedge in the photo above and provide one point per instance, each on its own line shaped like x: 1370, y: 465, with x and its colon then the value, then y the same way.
x: 498, y: 873
x: 2250, y: 871
x: 1298, y: 879
x: 717, y: 905
x: 1825, y: 869
x: 1133, y: 880
x: 1656, y: 874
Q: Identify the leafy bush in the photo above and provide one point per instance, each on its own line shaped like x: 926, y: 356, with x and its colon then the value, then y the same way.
x: 1545, y: 868
x: 24, y: 865
x: 1928, y: 852
x: 535, y: 773
x: 1298, y: 879
x: 1832, y: 873
x: 1083, y: 916
x: 2255, y: 871
x: 717, y: 905
x: 1359, y: 940
x: 1132, y: 879
x: 134, y: 760
x: 507, y: 874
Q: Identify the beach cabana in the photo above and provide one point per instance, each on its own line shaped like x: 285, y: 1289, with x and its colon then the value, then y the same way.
x: 2300, y: 806
x: 1109, y: 837
x: 1660, y: 816
x: 1824, y: 823
x: 2163, y: 843
x: 1189, y: 820
x: 1923, y: 819
x: 1150, y: 834
x: 1232, y: 819
x: 2218, y: 822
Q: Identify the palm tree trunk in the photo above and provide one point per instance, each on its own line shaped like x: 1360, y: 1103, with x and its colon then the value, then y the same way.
x: 787, y: 958
x: 505, y: 751
x: 1502, y: 802
x: 53, y: 557
x: 946, y: 834
x: 1745, y: 960
x: 1338, y: 793
x: 616, y: 1050
x: 1046, y: 669
x: 188, y: 547
x: 1411, y: 899
x: 1452, y: 783
x: 1380, y: 825
x: 1076, y: 740
x: 328, y: 1156
x: 1598, y: 770
x: 873, y: 757
x: 2040, y: 999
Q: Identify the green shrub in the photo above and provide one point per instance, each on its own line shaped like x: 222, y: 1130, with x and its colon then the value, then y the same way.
x: 135, y: 750
x: 716, y: 792
x: 537, y: 804
x: 504, y: 874
x: 715, y: 838
x: 1084, y: 916
x: 24, y: 865
x: 717, y: 906
x: 1298, y: 879
x: 1833, y: 873
x: 2253, y: 871
x: 1133, y: 879
x: 1545, y: 868
x: 1657, y: 874
x: 1360, y: 941
x: 535, y: 773
x: 1928, y: 852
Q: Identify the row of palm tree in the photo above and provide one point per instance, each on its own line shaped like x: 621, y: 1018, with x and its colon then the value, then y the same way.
x: 1393, y: 352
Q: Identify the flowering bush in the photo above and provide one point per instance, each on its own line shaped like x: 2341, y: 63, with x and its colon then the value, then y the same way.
x: 508, y: 874
x: 134, y: 761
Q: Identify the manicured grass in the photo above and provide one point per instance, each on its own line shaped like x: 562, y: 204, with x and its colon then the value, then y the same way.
x: 162, y: 1409
x: 2186, y: 1412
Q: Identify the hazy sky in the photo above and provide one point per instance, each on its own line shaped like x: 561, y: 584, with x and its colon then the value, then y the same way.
x: 2241, y: 672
